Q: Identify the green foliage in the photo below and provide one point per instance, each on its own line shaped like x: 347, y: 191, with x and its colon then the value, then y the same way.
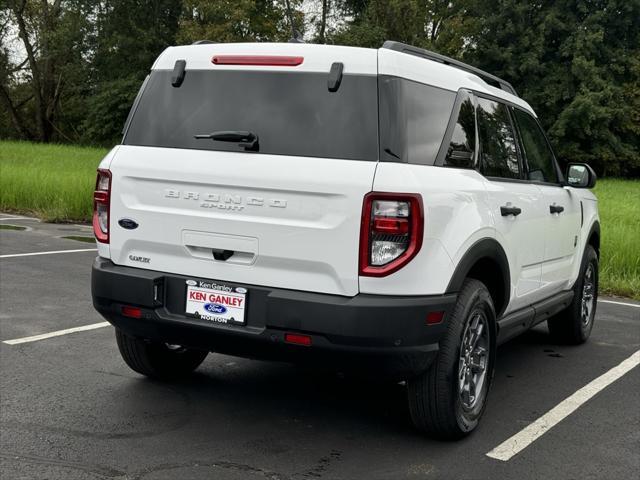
x: 54, y: 182
x: 235, y: 21
x: 577, y: 62
x: 108, y: 110
x: 129, y: 35
x: 619, y: 204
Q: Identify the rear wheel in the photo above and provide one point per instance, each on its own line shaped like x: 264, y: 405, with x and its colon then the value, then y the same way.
x: 448, y: 400
x: 158, y: 360
x: 574, y: 324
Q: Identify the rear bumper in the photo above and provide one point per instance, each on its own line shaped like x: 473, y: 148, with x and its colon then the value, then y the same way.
x: 371, y: 333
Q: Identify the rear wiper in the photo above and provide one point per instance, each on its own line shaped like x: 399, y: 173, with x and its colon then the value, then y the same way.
x: 245, y: 139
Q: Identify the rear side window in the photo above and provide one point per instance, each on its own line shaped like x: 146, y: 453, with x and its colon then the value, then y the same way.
x: 413, y: 120
x: 498, y: 151
x: 292, y: 113
x: 536, y: 149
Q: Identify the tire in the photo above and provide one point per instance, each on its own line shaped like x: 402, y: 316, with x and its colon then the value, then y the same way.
x: 438, y: 403
x: 574, y: 324
x: 158, y: 360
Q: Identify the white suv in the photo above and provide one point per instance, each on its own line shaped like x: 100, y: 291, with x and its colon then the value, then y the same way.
x: 387, y: 211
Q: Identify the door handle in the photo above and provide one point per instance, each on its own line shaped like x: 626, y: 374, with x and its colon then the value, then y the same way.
x: 509, y: 210
x: 556, y: 208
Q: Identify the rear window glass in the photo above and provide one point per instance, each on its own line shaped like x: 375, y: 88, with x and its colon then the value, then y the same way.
x: 413, y: 120
x: 292, y: 113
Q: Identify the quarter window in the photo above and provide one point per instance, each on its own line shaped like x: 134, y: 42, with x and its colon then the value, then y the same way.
x: 413, y: 120
x: 498, y: 151
x: 536, y: 149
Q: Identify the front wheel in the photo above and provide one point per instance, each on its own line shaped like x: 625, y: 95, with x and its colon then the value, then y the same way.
x: 158, y: 360
x: 574, y: 324
x: 448, y: 400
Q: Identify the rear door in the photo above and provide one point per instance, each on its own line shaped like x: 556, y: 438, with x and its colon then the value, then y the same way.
x: 517, y: 205
x: 562, y: 222
x: 282, y: 212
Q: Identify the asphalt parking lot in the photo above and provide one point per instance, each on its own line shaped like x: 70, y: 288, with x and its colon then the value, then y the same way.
x: 71, y: 409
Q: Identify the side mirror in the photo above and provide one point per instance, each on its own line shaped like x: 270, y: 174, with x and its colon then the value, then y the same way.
x: 580, y: 175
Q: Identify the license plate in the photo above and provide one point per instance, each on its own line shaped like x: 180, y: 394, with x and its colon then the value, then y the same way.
x: 216, y: 303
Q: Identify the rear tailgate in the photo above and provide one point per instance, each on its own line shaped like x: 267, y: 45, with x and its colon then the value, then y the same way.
x: 287, y: 216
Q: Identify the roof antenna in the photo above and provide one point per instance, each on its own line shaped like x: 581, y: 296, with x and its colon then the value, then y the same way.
x: 296, y: 36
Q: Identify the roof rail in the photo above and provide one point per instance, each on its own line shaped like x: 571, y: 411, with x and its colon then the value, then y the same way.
x: 202, y: 42
x: 420, y: 52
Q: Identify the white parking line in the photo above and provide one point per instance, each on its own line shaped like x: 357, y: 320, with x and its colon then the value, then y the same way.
x: 35, y: 338
x: 17, y: 218
x: 48, y: 253
x: 620, y: 303
x: 535, y: 430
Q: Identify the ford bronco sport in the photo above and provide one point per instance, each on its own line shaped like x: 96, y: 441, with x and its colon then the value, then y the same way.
x: 388, y: 211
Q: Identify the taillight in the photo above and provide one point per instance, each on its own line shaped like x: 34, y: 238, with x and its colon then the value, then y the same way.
x: 390, y: 233
x: 101, y: 201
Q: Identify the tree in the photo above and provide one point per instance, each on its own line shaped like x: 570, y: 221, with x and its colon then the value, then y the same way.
x: 127, y: 37
x: 49, y: 36
x: 69, y: 69
x: 578, y: 63
x: 432, y: 24
x: 236, y: 21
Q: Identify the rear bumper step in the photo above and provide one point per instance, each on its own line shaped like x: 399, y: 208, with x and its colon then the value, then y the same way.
x: 375, y: 333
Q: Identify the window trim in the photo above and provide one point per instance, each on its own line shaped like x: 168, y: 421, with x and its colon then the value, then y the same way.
x: 523, y: 163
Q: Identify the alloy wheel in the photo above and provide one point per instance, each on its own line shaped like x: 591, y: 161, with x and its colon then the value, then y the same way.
x: 588, y: 295
x: 473, y: 360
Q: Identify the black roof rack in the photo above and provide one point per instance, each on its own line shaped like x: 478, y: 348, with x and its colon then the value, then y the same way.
x: 420, y: 52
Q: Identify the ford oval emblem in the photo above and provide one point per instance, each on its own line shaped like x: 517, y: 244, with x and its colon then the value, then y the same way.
x: 128, y: 223
x: 215, y: 308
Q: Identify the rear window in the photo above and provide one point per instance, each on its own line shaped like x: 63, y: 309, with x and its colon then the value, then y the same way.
x: 292, y: 113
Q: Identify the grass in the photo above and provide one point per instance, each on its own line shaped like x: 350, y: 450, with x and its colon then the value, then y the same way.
x: 619, y: 204
x: 4, y: 226
x: 55, y: 183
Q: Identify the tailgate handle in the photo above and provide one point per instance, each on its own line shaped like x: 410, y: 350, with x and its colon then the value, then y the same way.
x: 221, y: 247
x: 222, y: 255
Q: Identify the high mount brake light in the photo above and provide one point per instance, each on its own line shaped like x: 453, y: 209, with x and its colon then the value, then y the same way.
x: 391, y: 232
x: 101, y: 205
x: 263, y: 60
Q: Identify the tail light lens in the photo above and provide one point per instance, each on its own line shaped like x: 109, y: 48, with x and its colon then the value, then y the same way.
x: 262, y: 60
x: 391, y: 232
x: 101, y: 202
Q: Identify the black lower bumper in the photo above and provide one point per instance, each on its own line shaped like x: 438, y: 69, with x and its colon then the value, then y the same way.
x: 371, y: 333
